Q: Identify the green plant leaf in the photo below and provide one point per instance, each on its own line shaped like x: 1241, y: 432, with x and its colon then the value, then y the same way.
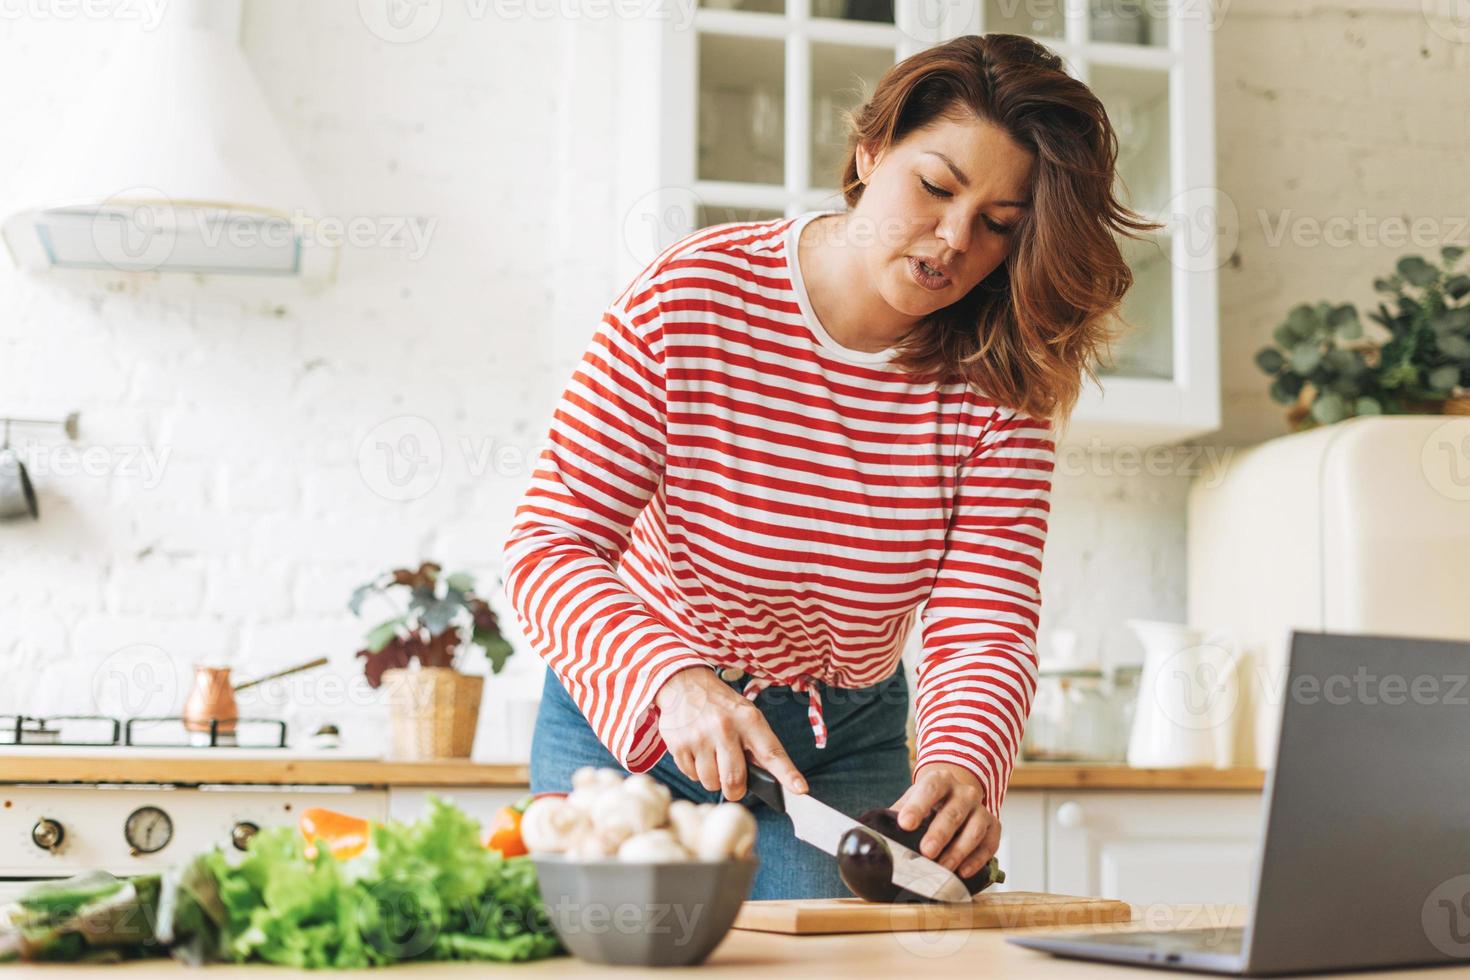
x: 1368, y: 406
x: 1345, y: 323
x: 420, y: 599
x: 1451, y: 321
x: 1329, y: 408
x: 497, y: 648
x: 1450, y: 253
x: 1416, y: 271
x: 1456, y: 346
x: 437, y: 616
x: 1281, y: 391
x: 1389, y: 284
x: 359, y: 595
x: 1342, y: 361
x: 1457, y: 286
x: 1443, y: 378
x: 1305, y: 357
x: 383, y: 634
x: 461, y: 582
x: 1304, y: 321
x: 1270, y: 360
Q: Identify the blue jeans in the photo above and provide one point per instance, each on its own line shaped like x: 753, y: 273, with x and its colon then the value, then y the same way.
x: 865, y: 765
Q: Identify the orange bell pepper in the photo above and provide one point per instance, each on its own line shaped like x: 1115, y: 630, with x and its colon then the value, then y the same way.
x: 345, y: 836
x: 504, y: 833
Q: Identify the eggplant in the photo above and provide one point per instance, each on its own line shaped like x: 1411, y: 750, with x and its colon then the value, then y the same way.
x: 865, y: 864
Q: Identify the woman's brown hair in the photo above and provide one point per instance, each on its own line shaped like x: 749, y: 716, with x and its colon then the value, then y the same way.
x: 1028, y: 332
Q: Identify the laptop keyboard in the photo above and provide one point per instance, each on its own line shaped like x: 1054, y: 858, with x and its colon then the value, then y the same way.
x: 1229, y: 940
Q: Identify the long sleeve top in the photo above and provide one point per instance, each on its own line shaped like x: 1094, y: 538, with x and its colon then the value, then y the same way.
x: 726, y: 485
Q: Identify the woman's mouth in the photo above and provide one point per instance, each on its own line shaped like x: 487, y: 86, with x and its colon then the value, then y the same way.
x: 927, y: 277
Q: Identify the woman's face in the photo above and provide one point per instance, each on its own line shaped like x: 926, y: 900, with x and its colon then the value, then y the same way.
x: 949, y: 194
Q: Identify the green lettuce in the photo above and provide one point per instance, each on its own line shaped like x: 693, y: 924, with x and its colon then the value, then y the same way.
x: 427, y: 890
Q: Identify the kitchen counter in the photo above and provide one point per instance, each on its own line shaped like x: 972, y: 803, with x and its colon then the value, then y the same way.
x: 1069, y: 775
x: 319, y: 769
x: 937, y: 954
x: 322, y: 769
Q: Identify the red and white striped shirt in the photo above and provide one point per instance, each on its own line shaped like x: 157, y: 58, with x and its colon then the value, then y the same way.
x: 726, y: 485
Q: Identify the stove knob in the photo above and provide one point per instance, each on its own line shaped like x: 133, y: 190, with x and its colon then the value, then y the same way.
x: 241, y: 834
x: 47, y: 834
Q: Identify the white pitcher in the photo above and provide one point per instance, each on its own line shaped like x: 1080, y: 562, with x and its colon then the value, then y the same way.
x: 1188, y: 697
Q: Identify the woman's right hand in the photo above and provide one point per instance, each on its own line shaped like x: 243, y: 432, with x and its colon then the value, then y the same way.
x: 708, y: 728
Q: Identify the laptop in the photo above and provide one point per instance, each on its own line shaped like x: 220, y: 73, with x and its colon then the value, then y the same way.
x: 1366, y: 823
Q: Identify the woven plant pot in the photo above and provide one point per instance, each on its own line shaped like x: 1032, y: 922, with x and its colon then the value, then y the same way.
x: 1457, y: 406
x: 434, y: 711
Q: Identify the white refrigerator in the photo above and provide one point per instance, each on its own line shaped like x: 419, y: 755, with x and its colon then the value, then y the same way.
x: 1358, y: 527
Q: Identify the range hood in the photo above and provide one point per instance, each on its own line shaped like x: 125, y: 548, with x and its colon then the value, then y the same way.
x: 172, y: 163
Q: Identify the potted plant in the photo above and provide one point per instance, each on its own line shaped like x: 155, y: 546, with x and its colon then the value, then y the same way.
x: 418, y: 652
x: 1327, y: 370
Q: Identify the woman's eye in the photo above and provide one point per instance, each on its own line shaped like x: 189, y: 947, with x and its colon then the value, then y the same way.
x: 932, y: 189
x: 938, y: 192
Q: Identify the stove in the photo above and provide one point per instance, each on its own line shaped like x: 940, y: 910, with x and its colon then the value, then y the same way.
x: 100, y: 731
x: 54, y: 829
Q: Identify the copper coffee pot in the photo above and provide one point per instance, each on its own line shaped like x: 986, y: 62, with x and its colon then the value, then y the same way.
x: 211, y: 701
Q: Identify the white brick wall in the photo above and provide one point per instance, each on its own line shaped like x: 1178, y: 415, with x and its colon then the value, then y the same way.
x: 255, y: 398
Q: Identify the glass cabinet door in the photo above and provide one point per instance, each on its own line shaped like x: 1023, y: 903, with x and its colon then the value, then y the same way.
x: 775, y: 78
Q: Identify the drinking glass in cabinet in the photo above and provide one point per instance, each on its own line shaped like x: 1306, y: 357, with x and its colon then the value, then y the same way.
x: 1146, y: 348
x: 1037, y: 18
x: 843, y: 76
x: 749, y: 6
x: 1127, y: 22
x: 878, y: 11
x: 1071, y: 719
x: 1137, y: 100
x: 742, y: 108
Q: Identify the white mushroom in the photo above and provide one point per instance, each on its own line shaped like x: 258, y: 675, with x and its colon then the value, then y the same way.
x: 628, y: 810
x: 596, y: 845
x: 728, y: 832
x: 599, y: 777
x: 590, y: 782
x: 550, y: 825
x: 652, y: 845
x: 685, y: 819
x: 642, y: 785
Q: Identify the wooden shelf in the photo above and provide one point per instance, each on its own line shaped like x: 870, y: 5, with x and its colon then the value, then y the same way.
x: 105, y: 768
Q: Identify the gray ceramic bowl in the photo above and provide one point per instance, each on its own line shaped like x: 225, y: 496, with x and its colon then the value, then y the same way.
x: 671, y: 913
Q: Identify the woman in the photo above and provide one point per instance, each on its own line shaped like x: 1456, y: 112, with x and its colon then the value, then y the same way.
x: 787, y: 436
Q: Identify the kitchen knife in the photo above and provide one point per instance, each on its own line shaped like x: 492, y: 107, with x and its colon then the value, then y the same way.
x: 822, y: 826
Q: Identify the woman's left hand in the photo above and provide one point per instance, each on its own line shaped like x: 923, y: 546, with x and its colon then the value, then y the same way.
x: 963, y: 835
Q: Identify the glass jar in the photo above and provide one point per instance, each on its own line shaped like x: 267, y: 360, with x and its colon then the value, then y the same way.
x: 1071, y: 719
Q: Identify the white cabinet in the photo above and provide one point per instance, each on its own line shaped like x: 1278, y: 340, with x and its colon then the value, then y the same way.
x: 1153, y: 847
x: 740, y: 118
x: 1022, y: 851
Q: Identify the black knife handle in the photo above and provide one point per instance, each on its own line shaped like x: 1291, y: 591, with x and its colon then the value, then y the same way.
x: 760, y: 782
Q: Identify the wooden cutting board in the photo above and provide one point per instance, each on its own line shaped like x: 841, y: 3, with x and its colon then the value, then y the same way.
x: 989, y: 910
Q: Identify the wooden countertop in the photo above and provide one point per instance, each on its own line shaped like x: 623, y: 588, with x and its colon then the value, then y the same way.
x: 743, y: 953
x: 1063, y: 775
x: 104, y: 768
x: 20, y: 767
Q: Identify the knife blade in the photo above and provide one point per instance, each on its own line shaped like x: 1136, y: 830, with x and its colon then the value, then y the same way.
x: 822, y: 826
